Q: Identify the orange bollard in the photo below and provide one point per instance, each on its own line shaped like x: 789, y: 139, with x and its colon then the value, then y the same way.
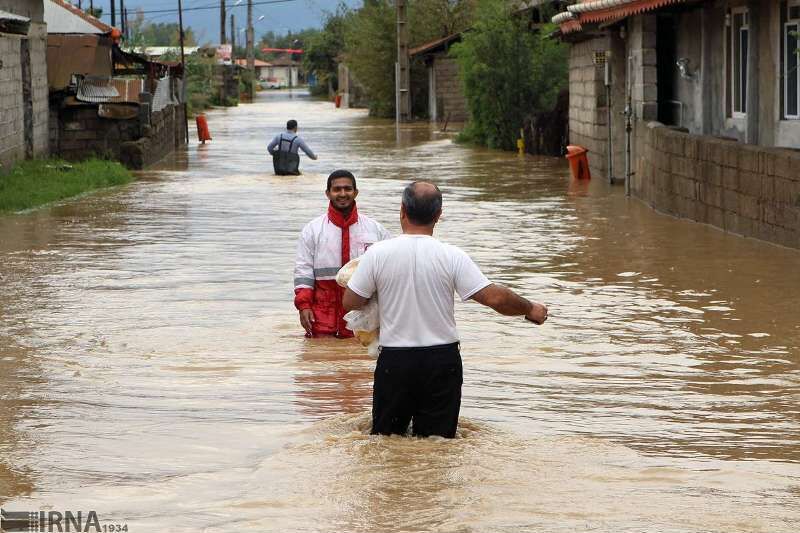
x: 203, y: 134
x: 338, y: 100
x: 578, y: 162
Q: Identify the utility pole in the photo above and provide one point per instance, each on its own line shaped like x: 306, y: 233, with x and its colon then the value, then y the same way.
x: 233, y: 38
x: 183, y: 70
x: 222, y: 17
x: 250, y: 45
x: 402, y: 77
x: 113, y: 14
x: 122, y: 15
x: 251, y: 58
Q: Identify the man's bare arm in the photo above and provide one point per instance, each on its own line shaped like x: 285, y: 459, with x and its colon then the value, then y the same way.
x: 507, y: 302
x: 352, y: 300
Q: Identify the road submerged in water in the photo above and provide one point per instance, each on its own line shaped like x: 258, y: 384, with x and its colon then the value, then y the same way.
x: 152, y: 367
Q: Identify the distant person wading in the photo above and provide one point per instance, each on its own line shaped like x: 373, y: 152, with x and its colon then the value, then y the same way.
x: 284, y: 150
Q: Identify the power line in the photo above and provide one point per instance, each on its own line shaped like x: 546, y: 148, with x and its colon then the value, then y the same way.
x: 201, y: 8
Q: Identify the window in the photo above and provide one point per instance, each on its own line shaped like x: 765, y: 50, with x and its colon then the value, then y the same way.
x: 739, y: 32
x: 791, y: 73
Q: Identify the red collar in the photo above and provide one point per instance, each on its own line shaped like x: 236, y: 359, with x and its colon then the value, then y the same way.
x: 337, y: 219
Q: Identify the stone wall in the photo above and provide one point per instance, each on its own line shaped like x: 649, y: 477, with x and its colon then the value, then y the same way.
x: 748, y: 190
x: 13, y: 103
x: 450, y: 102
x: 587, y: 102
x: 79, y: 133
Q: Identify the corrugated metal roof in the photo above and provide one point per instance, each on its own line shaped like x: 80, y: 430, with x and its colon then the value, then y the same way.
x: 96, y: 90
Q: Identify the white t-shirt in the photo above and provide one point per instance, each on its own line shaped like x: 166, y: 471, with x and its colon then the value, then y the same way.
x: 415, y: 277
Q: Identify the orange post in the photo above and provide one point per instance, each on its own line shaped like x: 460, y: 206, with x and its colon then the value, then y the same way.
x: 338, y: 100
x: 203, y: 134
x: 578, y: 162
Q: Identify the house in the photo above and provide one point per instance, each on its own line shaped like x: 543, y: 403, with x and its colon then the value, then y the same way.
x: 261, y: 68
x: 23, y: 81
x: 709, y: 92
x: 105, y: 101
x: 446, y: 101
x: 284, y: 71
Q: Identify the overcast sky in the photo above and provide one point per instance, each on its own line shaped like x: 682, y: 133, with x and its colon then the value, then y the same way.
x: 278, y: 17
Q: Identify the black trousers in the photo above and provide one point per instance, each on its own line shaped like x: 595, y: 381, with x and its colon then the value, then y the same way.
x: 419, y: 385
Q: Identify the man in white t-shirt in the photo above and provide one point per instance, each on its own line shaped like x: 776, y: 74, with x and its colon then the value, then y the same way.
x: 418, y: 376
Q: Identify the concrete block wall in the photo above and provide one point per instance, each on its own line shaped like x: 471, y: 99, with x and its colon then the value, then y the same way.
x: 743, y: 189
x: 12, y: 106
x: 81, y: 134
x: 162, y: 136
x: 451, y: 104
x: 644, y: 71
x: 37, y: 35
x: 12, y: 121
x: 587, y: 101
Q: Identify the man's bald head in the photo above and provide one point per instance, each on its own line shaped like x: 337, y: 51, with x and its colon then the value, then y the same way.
x: 422, y: 201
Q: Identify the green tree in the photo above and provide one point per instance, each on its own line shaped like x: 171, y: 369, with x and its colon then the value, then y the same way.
x: 145, y: 33
x: 371, y: 43
x: 508, y: 72
x: 323, y: 48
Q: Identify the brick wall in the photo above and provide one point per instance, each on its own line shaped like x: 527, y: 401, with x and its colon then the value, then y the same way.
x: 77, y: 132
x: 744, y: 189
x: 451, y: 104
x: 587, y: 101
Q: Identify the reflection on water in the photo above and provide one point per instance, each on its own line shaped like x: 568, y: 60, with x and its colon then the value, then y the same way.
x: 152, y: 366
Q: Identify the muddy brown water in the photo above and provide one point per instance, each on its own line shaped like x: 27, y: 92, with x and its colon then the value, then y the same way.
x: 152, y: 367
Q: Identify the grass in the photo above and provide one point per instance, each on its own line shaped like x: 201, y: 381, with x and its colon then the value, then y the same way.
x: 41, y: 181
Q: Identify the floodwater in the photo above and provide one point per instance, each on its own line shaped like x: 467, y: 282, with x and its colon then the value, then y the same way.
x: 152, y: 367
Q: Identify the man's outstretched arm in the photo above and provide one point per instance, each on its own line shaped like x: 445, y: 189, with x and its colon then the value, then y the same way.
x: 507, y: 302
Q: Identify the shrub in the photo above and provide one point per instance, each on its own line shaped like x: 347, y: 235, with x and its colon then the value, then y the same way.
x: 508, y: 72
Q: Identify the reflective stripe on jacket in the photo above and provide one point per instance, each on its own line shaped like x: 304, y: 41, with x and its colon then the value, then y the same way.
x: 319, y: 258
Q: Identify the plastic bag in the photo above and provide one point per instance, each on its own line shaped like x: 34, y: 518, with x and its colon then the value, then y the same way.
x: 346, y: 272
x: 364, y: 322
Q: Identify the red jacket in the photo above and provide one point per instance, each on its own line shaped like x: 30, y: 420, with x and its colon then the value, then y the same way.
x: 326, y: 244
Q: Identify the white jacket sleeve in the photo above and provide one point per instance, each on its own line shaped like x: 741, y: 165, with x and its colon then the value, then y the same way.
x: 304, y: 263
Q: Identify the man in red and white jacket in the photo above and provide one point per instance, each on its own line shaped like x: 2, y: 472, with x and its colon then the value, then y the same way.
x: 326, y: 244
